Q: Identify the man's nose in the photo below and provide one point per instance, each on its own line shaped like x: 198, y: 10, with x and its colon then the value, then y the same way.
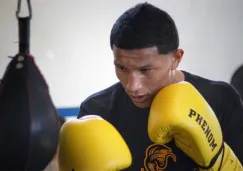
x: 134, y: 83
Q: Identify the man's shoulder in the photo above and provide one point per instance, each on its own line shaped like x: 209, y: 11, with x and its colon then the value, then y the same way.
x: 219, y: 94
x: 101, y: 102
x: 223, y: 89
x: 205, y: 85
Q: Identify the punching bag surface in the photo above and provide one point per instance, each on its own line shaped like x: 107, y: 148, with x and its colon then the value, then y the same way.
x: 29, y: 124
x: 28, y: 119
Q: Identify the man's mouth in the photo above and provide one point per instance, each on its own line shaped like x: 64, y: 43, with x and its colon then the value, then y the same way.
x: 138, y: 99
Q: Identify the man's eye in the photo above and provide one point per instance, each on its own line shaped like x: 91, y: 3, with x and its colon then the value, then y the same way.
x: 121, y: 68
x: 145, y: 69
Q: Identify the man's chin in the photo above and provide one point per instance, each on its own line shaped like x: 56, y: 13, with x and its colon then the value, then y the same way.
x: 142, y: 105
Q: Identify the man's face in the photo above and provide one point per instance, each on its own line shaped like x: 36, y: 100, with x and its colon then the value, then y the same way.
x: 144, y: 72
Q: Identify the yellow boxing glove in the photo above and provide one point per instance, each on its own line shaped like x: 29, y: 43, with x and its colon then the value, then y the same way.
x: 179, y: 112
x: 92, y: 144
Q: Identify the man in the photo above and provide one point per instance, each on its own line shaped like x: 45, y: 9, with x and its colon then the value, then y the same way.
x: 145, y: 42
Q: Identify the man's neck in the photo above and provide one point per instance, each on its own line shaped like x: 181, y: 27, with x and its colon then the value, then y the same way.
x: 179, y: 76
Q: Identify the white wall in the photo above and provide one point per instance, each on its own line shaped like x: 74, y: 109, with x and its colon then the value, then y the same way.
x: 70, y: 40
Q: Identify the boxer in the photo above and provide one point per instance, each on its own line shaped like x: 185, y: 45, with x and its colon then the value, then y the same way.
x: 145, y: 45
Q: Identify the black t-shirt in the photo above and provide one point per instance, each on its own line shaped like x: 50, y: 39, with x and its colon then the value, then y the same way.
x: 115, y: 106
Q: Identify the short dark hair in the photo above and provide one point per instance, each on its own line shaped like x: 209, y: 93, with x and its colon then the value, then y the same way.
x: 144, y: 26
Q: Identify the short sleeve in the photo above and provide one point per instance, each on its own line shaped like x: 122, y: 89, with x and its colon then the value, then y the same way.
x: 232, y: 123
x: 82, y: 112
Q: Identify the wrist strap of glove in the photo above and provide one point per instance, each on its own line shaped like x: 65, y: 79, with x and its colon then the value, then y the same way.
x: 221, y: 150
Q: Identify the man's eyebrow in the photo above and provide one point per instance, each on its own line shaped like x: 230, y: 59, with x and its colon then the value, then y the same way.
x: 117, y: 63
x: 146, y: 66
x: 140, y: 67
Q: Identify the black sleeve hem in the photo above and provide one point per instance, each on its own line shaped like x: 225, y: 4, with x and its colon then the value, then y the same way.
x: 82, y: 112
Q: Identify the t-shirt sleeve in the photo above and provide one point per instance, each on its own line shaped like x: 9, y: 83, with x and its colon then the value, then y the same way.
x: 100, y: 103
x: 232, y: 120
x: 82, y: 112
x: 95, y: 106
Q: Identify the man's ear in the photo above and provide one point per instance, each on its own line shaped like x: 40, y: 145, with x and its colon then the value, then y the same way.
x: 178, y: 54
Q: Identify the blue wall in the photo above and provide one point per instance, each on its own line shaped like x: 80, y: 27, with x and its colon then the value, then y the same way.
x: 67, y: 112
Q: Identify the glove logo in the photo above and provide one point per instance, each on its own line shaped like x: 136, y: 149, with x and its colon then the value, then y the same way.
x: 157, y: 156
x: 205, y: 127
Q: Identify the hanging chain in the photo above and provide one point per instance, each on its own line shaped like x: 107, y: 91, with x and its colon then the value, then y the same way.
x: 19, y: 9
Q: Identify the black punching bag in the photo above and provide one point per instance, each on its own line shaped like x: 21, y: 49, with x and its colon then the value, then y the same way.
x: 29, y: 125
